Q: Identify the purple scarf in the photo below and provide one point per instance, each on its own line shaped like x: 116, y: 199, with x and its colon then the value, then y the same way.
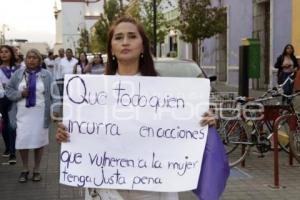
x: 215, y: 169
x: 31, y: 84
x: 8, y: 71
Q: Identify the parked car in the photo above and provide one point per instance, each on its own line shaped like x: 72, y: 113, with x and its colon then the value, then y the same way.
x: 172, y: 67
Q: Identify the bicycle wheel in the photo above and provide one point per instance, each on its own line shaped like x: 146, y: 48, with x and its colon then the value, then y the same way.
x: 265, y: 130
x: 225, y: 127
x: 236, y: 140
x: 294, y: 139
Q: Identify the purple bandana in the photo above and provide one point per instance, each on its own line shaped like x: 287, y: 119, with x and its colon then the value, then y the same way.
x: 31, y: 84
x: 8, y: 71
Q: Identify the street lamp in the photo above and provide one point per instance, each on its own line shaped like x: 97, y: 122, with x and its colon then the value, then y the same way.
x: 2, y: 35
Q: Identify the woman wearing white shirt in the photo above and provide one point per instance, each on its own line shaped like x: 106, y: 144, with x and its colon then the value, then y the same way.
x: 129, y: 55
x: 32, y: 91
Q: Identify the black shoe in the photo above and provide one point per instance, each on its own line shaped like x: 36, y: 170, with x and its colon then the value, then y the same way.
x: 12, y: 160
x: 5, y: 154
x: 36, y: 176
x: 23, y: 178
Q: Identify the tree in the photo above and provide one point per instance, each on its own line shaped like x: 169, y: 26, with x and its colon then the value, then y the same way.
x: 84, y: 42
x: 143, y: 11
x: 199, y: 20
x: 112, y: 10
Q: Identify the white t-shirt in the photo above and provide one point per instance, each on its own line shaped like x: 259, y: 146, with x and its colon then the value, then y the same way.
x: 57, y: 71
x: 50, y: 65
x: 67, y: 66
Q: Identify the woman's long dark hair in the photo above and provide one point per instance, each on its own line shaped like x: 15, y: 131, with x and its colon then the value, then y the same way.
x: 13, y: 58
x: 85, y: 59
x: 146, y: 64
x: 284, y: 50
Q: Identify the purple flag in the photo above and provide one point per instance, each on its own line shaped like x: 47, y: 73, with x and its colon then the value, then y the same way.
x: 215, y: 169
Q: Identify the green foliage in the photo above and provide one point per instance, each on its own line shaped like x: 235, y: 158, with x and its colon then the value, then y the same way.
x: 134, y: 9
x: 143, y: 11
x: 112, y: 11
x: 95, y: 45
x: 200, y: 20
x: 84, y: 42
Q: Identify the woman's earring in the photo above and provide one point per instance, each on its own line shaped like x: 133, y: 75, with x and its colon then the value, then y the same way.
x: 142, y: 55
x: 114, y: 57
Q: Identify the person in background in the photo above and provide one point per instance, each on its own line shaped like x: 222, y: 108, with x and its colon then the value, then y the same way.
x: 20, y: 61
x: 43, y: 64
x: 81, y: 65
x: 97, y: 66
x: 32, y: 91
x: 50, y: 62
x: 286, y: 64
x: 8, y: 67
x: 67, y: 63
x: 19, y: 56
x: 57, y: 71
x: 129, y: 54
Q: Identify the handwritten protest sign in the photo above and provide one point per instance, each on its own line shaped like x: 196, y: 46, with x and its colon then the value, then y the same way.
x: 133, y: 132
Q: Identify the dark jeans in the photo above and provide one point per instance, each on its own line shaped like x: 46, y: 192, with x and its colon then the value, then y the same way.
x: 60, y: 85
x: 8, y: 133
x: 287, y: 88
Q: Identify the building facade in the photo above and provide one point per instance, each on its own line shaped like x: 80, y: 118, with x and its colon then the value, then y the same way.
x: 273, y: 22
x: 72, y: 17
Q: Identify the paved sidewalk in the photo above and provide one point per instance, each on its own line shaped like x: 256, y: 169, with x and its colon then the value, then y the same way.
x: 250, y: 183
x: 48, y: 188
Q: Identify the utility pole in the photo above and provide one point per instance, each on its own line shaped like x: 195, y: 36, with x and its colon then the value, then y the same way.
x: 154, y: 28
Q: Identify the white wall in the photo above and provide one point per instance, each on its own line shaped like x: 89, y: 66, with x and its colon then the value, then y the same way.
x: 73, y: 17
x: 73, y: 20
x: 59, y: 30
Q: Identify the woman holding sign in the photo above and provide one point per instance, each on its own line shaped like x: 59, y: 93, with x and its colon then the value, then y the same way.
x: 129, y: 54
x: 31, y: 90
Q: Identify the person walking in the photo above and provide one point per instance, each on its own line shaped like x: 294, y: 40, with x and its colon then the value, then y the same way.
x: 32, y: 91
x: 8, y: 67
x: 50, y: 62
x: 57, y: 70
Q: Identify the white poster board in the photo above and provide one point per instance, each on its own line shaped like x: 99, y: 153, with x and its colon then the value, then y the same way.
x: 133, y: 132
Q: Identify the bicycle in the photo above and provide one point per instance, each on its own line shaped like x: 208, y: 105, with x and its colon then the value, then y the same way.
x: 242, y: 132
